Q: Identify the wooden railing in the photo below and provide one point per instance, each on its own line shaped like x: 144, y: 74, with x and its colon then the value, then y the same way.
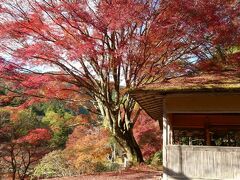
x: 202, y: 162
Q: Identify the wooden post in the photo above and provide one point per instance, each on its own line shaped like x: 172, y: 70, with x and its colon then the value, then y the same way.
x: 164, y: 145
x: 170, y: 129
x: 208, y: 137
x: 207, y: 133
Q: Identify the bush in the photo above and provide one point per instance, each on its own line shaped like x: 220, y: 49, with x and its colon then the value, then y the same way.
x: 114, y: 166
x: 60, y: 137
x: 100, y: 167
x: 54, y: 164
x: 93, y: 167
x: 156, y: 159
x: 88, y: 150
x: 106, y: 167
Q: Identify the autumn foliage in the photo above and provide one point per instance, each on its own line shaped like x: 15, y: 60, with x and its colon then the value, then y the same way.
x: 35, y: 136
x: 90, y: 151
x: 148, y: 135
x: 22, y: 144
x: 61, y: 49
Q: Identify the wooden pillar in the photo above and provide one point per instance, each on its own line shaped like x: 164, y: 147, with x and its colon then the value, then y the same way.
x: 207, y: 133
x: 208, y: 137
x: 164, y: 145
x: 170, y: 129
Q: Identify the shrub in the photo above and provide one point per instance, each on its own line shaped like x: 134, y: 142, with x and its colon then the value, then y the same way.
x: 100, y: 167
x: 156, y: 159
x: 87, y: 167
x: 53, y: 164
x: 88, y: 149
x: 114, y: 166
x: 104, y: 167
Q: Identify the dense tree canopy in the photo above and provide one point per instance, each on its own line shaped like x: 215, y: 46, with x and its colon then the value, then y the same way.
x: 103, y: 47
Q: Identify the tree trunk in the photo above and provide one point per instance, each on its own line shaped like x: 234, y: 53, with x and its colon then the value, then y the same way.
x: 121, y: 129
x: 134, y: 152
x: 14, y: 174
x: 128, y: 142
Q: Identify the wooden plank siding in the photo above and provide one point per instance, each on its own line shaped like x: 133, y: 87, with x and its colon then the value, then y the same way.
x: 228, y: 121
x: 202, y: 103
x: 202, y: 162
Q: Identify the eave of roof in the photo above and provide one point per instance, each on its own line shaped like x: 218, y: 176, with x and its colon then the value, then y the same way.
x: 150, y: 97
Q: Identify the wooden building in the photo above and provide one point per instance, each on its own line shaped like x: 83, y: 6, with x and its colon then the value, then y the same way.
x: 200, y: 118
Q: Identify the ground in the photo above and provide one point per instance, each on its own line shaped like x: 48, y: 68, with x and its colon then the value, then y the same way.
x: 139, y: 173
x: 130, y: 174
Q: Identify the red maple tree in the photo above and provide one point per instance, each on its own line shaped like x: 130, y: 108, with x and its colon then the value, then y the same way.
x: 18, y: 154
x: 106, y: 47
x: 148, y: 135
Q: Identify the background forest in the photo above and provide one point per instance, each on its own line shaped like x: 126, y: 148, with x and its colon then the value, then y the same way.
x: 53, y: 139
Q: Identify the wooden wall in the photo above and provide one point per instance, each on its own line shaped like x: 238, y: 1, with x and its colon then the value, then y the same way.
x: 231, y: 121
x: 202, y: 162
x: 202, y: 103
